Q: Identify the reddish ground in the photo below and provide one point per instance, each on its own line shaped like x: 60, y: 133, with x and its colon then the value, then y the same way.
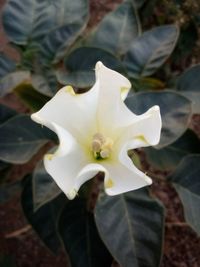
x: 181, y: 247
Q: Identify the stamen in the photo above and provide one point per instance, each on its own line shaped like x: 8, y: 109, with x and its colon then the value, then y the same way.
x: 101, y: 146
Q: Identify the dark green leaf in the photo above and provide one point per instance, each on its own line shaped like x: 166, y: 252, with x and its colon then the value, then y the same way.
x: 81, y: 73
x: 189, y: 85
x: 6, y: 113
x: 45, y: 82
x: 148, y: 52
x: 40, y: 17
x: 187, y: 184
x: 21, y: 138
x: 56, y: 43
x: 31, y: 98
x: 131, y: 225
x: 175, y: 112
x: 117, y: 29
x: 44, y: 220
x: 12, y: 80
x: 44, y: 187
x: 168, y: 158
x: 80, y: 237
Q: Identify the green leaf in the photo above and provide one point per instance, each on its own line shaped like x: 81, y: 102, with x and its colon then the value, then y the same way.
x: 43, y: 221
x: 117, y: 29
x: 9, y: 77
x: 40, y: 17
x: 131, y: 225
x: 6, y: 65
x: 21, y: 138
x: 45, y: 82
x: 44, y: 187
x: 81, y: 73
x: 80, y: 237
x: 188, y: 85
x: 6, y: 113
x: 30, y: 97
x: 168, y: 158
x: 187, y: 183
x: 56, y: 43
x: 148, y: 52
x: 175, y: 112
x: 12, y: 80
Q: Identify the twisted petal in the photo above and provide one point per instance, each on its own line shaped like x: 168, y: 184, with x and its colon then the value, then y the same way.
x: 69, y: 166
x: 144, y: 130
x: 124, y: 176
x: 74, y: 112
x: 113, y: 88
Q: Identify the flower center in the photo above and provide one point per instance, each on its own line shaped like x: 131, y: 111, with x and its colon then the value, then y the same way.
x: 101, y: 146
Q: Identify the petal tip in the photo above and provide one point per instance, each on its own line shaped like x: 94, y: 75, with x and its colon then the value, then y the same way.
x: 156, y: 108
x: 71, y: 194
x: 98, y: 66
x: 148, y: 180
x: 36, y: 118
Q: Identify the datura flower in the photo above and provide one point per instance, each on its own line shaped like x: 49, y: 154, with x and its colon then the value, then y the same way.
x: 95, y: 131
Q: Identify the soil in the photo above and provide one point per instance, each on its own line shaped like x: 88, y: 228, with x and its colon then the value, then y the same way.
x: 18, y: 239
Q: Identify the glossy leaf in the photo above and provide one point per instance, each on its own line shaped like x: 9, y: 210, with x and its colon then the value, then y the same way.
x: 40, y: 17
x: 175, y: 112
x: 30, y: 97
x: 131, y: 225
x: 188, y: 85
x: 81, y: 73
x: 45, y: 82
x: 45, y: 219
x: 80, y: 236
x: 187, y: 183
x: 56, y: 43
x: 44, y: 187
x: 6, y: 113
x: 12, y: 80
x: 21, y: 138
x: 117, y: 29
x: 149, y: 51
x: 168, y: 158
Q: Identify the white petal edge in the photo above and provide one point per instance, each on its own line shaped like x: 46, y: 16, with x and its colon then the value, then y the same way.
x: 145, y: 130
x: 66, y: 109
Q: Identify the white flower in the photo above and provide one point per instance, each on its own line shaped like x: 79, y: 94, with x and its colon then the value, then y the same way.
x: 95, y: 130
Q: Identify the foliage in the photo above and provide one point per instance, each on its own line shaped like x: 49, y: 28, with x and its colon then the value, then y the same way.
x: 55, y: 49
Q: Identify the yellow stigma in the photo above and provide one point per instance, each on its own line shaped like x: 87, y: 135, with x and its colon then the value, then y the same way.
x: 101, y: 146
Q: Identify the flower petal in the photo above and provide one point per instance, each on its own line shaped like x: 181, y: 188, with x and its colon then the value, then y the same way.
x: 69, y: 166
x: 113, y: 88
x: 123, y: 175
x: 144, y: 130
x: 74, y: 112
